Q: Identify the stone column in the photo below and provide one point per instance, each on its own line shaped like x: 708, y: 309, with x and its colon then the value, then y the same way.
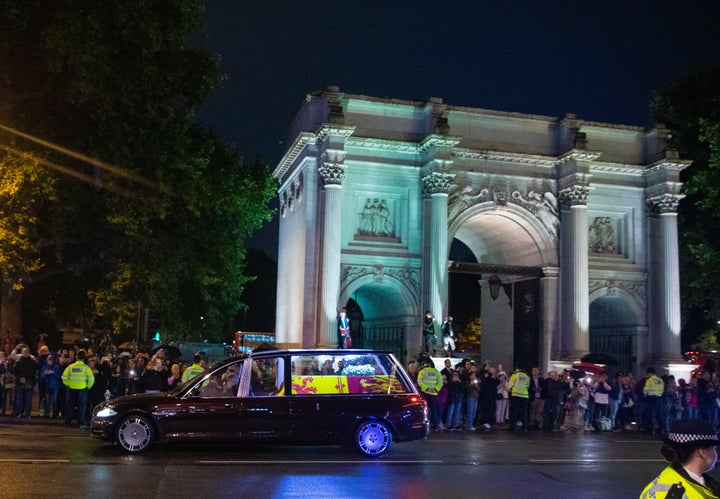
x: 332, y: 174
x: 437, y: 185
x: 549, y: 326
x: 666, y: 326
x: 576, y: 333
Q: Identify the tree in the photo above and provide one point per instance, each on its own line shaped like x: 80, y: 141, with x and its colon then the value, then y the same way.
x: 691, y: 109
x: 25, y: 188
x: 156, y: 209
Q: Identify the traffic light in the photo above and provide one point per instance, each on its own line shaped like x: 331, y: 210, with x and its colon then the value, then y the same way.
x: 152, y: 325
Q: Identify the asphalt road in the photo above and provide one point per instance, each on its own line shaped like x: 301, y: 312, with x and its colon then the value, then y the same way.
x: 42, y: 458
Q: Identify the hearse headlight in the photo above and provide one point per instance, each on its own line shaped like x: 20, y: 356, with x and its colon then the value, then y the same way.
x: 106, y: 412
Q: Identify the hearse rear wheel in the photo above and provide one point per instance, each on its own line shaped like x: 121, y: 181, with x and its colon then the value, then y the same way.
x: 373, y: 438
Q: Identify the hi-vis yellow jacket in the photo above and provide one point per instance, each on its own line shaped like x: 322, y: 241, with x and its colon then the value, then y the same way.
x: 519, y: 383
x: 78, y: 376
x: 659, y: 488
x: 654, y: 387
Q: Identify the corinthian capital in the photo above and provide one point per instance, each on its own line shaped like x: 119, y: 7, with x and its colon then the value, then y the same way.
x: 332, y: 173
x: 437, y: 183
x: 664, y: 203
x: 575, y: 194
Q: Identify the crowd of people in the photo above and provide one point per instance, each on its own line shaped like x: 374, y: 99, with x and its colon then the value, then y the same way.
x: 69, y: 381
x: 466, y: 396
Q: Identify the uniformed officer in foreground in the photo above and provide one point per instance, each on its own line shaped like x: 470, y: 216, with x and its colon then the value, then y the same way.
x: 691, y: 448
x: 78, y: 378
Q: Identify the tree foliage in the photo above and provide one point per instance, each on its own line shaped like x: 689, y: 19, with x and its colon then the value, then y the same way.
x: 691, y: 109
x: 161, y: 212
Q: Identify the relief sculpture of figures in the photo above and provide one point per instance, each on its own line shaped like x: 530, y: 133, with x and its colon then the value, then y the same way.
x: 465, y: 200
x: 601, y: 236
x: 375, y: 219
x: 543, y: 206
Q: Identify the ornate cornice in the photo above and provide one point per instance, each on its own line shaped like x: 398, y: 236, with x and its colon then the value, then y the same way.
x: 578, y: 155
x: 382, y: 145
x: 292, y: 154
x: 334, y: 129
x: 618, y: 168
x: 664, y: 164
x: 502, y: 157
x: 438, y: 141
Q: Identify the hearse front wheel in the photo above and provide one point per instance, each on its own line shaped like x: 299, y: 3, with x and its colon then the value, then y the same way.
x: 373, y: 438
x: 135, y: 434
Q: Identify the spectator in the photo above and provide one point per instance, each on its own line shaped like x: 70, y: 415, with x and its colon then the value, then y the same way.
x: 488, y: 398
x: 602, y: 399
x: 502, y: 397
x: 174, y: 380
x: 43, y: 353
x: 555, y: 391
x: 456, y: 396
x: 50, y: 374
x: 25, y: 378
x: 155, y: 377
x: 3, y: 375
x: 691, y: 398
x: 672, y: 402
x: 118, y: 380
x: 537, y: 398
x: 472, y: 393
x: 614, y: 401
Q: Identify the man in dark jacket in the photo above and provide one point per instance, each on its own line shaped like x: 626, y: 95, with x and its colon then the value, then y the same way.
x: 26, y: 376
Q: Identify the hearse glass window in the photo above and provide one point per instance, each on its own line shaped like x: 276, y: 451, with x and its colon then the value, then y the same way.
x: 353, y: 374
x: 267, y: 377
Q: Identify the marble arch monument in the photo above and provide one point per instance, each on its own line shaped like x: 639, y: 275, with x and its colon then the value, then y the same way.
x: 576, y: 218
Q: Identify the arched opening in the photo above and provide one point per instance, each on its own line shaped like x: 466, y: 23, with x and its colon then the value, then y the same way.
x: 497, y: 255
x: 613, y: 325
x: 382, y: 312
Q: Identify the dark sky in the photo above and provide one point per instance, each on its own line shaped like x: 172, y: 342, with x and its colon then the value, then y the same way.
x: 598, y: 59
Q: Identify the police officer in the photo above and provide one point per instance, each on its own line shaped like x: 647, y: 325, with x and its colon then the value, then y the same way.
x: 430, y: 382
x: 78, y: 378
x: 691, y: 449
x: 198, y: 366
x: 518, y: 385
x: 653, y: 391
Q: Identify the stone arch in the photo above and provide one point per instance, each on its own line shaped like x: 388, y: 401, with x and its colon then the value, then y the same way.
x: 389, y: 308
x: 511, y: 235
x: 381, y: 293
x: 615, y: 318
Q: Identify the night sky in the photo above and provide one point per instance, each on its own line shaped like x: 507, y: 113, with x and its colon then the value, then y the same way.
x: 598, y: 59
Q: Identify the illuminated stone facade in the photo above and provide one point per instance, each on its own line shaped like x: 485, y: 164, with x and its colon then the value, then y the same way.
x: 577, y: 219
